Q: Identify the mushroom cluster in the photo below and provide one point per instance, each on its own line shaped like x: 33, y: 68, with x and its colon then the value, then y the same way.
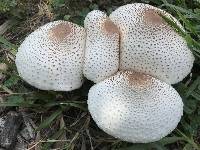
x: 133, y: 56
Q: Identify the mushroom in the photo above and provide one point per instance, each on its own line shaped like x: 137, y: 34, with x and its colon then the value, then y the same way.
x: 102, y: 47
x: 135, y: 107
x: 149, y: 45
x: 51, y: 58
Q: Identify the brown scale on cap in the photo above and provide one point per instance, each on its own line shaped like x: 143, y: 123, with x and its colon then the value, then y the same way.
x: 152, y: 17
x: 110, y: 27
x: 60, y: 32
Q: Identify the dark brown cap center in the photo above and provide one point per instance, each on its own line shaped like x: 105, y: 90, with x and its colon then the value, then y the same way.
x: 110, y: 27
x: 60, y: 31
x: 135, y: 78
x: 153, y: 17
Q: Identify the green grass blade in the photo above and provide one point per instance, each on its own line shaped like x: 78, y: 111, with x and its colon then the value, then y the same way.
x: 8, y: 45
x: 56, y: 135
x: 174, y: 25
x: 192, y: 87
x: 183, y: 10
x: 170, y: 140
x: 196, y: 95
x: 17, y: 101
x: 187, y: 23
x: 190, y: 41
x: 49, y: 120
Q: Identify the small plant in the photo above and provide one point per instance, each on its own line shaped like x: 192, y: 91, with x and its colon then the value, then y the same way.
x: 7, y: 5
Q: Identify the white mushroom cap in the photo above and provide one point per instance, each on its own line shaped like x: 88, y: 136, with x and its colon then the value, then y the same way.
x: 149, y: 45
x: 51, y: 58
x: 135, y: 107
x: 102, y: 47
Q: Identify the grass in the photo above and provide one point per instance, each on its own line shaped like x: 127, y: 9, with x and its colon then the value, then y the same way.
x: 62, y: 117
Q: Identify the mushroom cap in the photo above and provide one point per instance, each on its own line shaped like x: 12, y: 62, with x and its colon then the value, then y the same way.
x: 149, y: 45
x: 51, y: 58
x: 102, y: 47
x: 135, y: 107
